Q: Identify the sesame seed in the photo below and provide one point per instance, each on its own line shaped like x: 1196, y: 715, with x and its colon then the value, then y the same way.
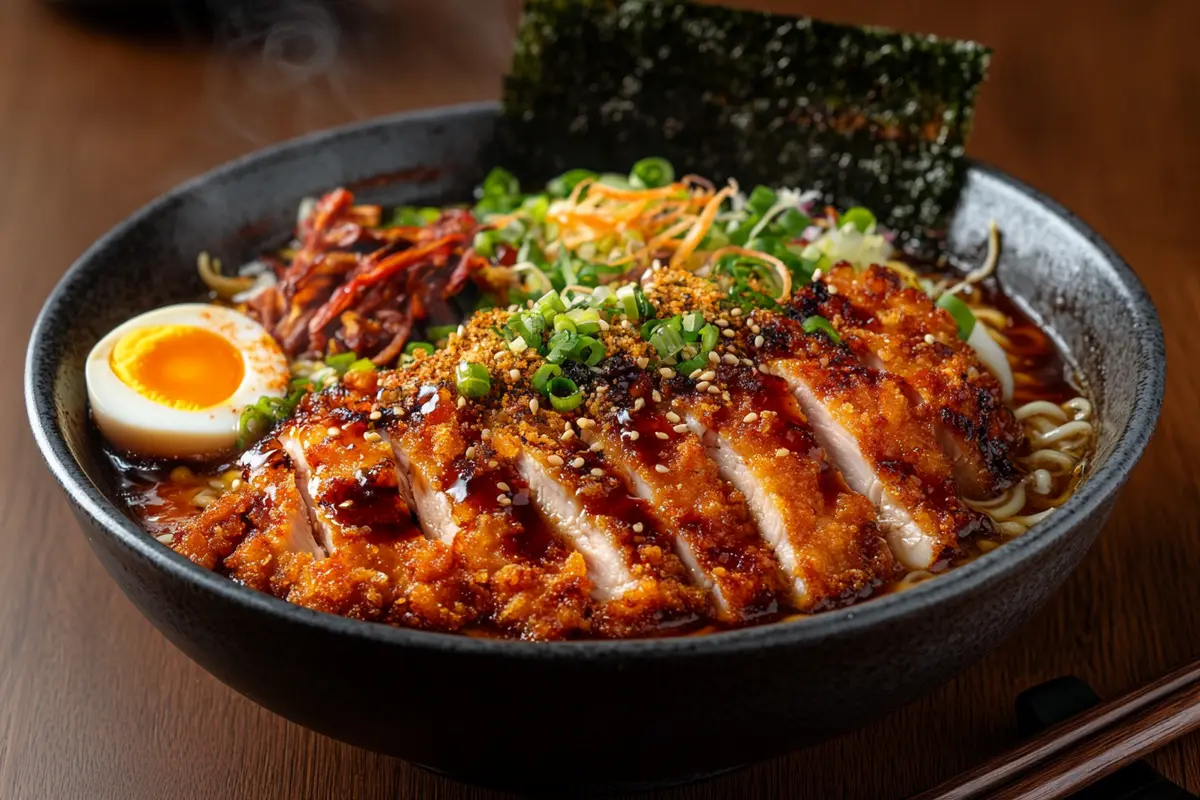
x: 371, y: 436
x: 759, y: 341
x: 643, y: 362
x: 660, y: 435
x: 747, y: 362
x: 460, y: 330
x: 673, y: 417
x: 680, y: 428
x: 601, y: 389
x: 515, y: 374
x: 638, y: 527
x: 832, y: 289
x: 504, y: 487
x: 695, y: 374
x: 660, y: 468
x: 655, y: 396
x: 235, y: 484
x: 567, y: 435
x: 751, y: 417
x: 728, y: 333
x: 603, y: 325
x: 166, y: 538
x: 499, y: 355
x: 533, y: 405
x: 584, y: 423
x: 633, y: 436
x: 713, y: 357
x: 462, y: 401
x: 702, y: 386
x: 667, y: 373
x: 708, y: 375
x: 596, y: 447
x: 492, y: 463
x: 755, y: 329
x: 725, y: 396
x: 333, y: 430
x: 577, y: 463
x: 375, y: 415
x: 929, y: 338
x: 639, y: 404
x: 714, y: 390
x: 722, y: 323
x: 781, y: 452
x: 730, y: 358
x: 764, y: 369
x: 470, y: 452
x: 597, y: 472
x: 503, y: 500
x: 486, y: 433
x: 555, y: 460
x: 625, y: 324
x: 345, y: 504
x: 817, y: 274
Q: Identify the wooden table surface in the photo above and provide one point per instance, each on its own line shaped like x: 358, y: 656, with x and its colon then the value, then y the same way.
x: 1096, y: 103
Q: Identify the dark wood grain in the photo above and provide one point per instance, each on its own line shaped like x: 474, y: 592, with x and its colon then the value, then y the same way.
x: 1089, y: 745
x: 1096, y: 103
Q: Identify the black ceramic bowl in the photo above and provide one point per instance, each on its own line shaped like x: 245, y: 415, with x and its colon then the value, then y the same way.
x: 566, y: 715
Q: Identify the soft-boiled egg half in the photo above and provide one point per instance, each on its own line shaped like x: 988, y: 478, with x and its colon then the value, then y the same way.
x: 172, y: 383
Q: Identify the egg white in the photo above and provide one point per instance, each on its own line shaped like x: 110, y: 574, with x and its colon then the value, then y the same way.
x: 138, y: 425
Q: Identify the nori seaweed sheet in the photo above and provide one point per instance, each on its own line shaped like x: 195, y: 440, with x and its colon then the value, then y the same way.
x: 865, y: 115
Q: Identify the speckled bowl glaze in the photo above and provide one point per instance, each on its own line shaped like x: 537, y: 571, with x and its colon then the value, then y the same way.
x: 577, y: 715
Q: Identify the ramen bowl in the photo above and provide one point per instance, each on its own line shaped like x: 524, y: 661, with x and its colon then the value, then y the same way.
x: 587, y: 715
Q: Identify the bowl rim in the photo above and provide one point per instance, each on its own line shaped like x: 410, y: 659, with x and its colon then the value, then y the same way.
x: 1099, y: 487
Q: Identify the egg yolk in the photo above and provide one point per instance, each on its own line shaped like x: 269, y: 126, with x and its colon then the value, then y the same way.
x: 179, y: 366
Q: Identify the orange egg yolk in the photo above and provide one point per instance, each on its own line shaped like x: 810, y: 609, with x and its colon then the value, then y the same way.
x: 179, y: 366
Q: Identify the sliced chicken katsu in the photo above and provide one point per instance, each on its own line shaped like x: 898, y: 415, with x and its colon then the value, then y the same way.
x: 640, y: 585
x: 666, y: 465
x: 896, y: 327
x: 884, y: 448
x: 474, y: 500
x: 824, y: 535
x: 378, y: 564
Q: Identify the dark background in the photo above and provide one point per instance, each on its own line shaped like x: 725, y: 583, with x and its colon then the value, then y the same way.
x: 1095, y: 102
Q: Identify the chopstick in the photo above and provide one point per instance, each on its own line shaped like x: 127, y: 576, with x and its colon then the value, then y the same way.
x: 1087, y: 747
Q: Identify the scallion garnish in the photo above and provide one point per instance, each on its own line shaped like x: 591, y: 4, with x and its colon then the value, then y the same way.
x: 588, y: 350
x: 561, y: 346
x: 709, y: 335
x: 411, y: 348
x: 341, y: 362
x: 440, y: 332
x: 762, y: 199
x: 651, y: 173
x: 963, y: 316
x: 472, y: 380
x: 562, y: 322
x: 362, y: 365
x: 562, y: 186
x: 818, y: 323
x: 693, y: 321
x: 543, y: 375
x: 860, y: 218
x: 550, y: 304
x: 564, y: 393
x: 587, y: 320
x: 667, y: 340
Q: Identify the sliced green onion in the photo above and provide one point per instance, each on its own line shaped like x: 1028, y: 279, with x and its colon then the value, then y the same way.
x: 536, y: 207
x: 411, y: 348
x: 587, y: 320
x: 562, y: 346
x: 667, y: 340
x: 440, y: 332
x: 649, y: 327
x: 628, y: 298
x: 861, y: 218
x: 588, y: 350
x: 963, y: 316
x: 362, y: 365
x: 341, y: 362
x: 564, y: 393
x: 541, y: 378
x: 818, y: 323
x: 500, y: 183
x: 645, y: 307
x: 651, y: 173
x: 562, y: 322
x: 615, y: 180
x: 692, y: 364
x: 601, y: 297
x: 793, y: 222
x: 709, y: 335
x: 529, y: 326
x: 562, y: 186
x: 762, y: 199
x: 549, y: 305
x: 472, y: 380
x: 485, y: 243
x: 693, y: 321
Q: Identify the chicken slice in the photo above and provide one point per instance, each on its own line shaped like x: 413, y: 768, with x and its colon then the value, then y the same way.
x: 474, y: 499
x: 885, y: 450
x: 898, y: 328
x: 667, y: 466
x: 823, y: 535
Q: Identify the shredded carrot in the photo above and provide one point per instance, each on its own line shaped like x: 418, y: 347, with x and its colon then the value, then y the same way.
x: 701, y: 226
x: 671, y: 190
